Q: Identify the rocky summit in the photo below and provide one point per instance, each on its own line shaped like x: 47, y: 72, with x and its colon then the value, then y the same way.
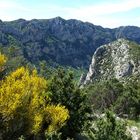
x: 119, y: 59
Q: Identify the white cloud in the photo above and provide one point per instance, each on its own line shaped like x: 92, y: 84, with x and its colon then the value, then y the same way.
x: 100, y: 14
x: 6, y: 4
x: 12, y: 5
x: 11, y: 10
x: 108, y: 8
x: 97, y: 14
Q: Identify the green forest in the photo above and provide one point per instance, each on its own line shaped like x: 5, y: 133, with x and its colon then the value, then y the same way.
x: 41, y: 103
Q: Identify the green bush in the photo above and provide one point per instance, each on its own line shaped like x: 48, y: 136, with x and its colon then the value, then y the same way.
x: 109, y: 128
x: 64, y: 91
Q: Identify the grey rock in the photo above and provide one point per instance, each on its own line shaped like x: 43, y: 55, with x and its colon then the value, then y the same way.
x: 135, y: 132
x: 113, y: 60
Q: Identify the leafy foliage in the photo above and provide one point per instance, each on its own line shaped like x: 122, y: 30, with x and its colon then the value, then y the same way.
x: 102, y: 95
x: 114, y: 95
x: 66, y: 93
x: 25, y: 106
x: 3, y: 60
x: 129, y: 101
x: 109, y: 128
x: 32, y: 107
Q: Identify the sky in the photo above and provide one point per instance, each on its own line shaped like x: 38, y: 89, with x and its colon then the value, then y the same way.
x: 107, y: 13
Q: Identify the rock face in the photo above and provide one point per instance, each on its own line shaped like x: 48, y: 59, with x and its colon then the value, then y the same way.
x: 65, y: 42
x: 135, y: 132
x: 114, y: 60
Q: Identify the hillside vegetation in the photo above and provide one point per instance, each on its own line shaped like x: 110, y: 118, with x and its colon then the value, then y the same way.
x: 41, y: 94
x: 39, y: 105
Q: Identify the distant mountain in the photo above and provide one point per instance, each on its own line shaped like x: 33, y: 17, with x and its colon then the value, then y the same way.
x: 59, y: 41
x: 119, y: 59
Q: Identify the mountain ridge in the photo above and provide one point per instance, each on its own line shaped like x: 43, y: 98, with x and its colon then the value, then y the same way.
x: 63, y: 19
x: 64, y: 42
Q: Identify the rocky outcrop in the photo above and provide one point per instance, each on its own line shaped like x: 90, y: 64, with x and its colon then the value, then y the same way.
x: 135, y: 132
x: 122, y: 62
x: 114, y: 60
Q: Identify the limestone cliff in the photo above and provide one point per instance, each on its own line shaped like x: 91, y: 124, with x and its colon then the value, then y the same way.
x: 119, y: 59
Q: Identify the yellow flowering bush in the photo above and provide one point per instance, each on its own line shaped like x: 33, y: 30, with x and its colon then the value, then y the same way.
x: 3, y: 60
x: 24, y: 99
x: 58, y: 115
